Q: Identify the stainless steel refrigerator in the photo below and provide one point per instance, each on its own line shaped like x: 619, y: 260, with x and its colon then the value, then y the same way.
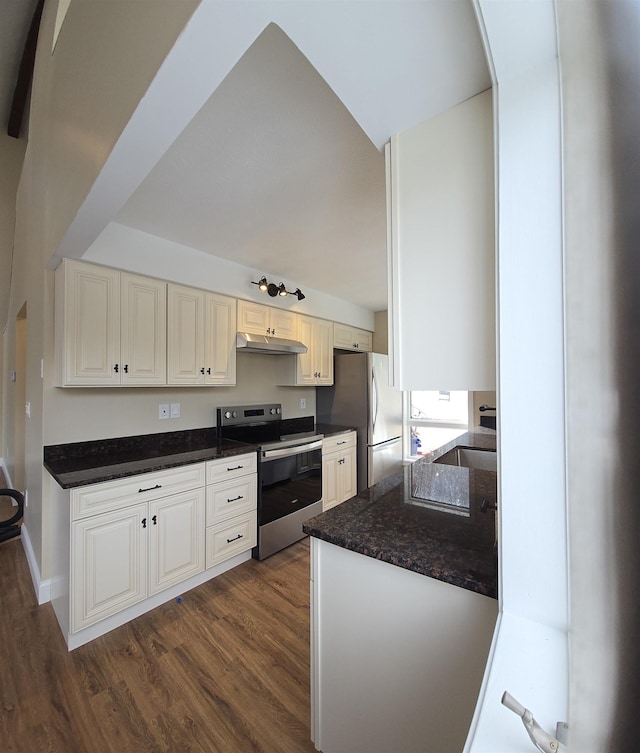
x: 362, y: 398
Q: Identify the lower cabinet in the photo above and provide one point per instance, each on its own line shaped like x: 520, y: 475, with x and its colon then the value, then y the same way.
x: 126, y: 546
x: 231, y: 519
x: 339, y: 469
x: 121, y: 557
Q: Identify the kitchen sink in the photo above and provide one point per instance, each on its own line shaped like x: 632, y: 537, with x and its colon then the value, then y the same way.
x: 484, y: 460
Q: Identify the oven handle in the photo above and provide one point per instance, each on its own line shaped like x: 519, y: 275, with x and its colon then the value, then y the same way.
x: 287, y: 451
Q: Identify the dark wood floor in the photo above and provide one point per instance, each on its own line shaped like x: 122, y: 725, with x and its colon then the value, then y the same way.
x: 226, y: 670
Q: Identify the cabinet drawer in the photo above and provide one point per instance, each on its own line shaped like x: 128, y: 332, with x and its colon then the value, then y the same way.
x: 230, y: 498
x: 339, y: 442
x: 233, y: 467
x: 231, y: 537
x: 113, y: 495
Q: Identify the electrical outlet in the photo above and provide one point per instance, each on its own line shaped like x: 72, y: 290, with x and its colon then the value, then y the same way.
x: 303, y: 402
x: 163, y: 411
x: 175, y: 410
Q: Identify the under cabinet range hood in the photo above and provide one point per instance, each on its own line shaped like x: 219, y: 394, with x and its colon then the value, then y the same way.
x: 247, y: 342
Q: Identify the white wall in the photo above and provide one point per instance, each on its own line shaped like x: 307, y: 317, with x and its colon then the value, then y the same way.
x: 135, y: 251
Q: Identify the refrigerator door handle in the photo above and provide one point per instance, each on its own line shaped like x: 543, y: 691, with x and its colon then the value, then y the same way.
x: 386, y: 443
x: 374, y: 401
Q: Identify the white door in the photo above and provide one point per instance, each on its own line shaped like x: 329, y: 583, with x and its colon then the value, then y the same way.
x: 220, y: 346
x: 92, y: 325
x: 185, y: 335
x: 109, y: 564
x: 143, y: 342
x: 176, y: 538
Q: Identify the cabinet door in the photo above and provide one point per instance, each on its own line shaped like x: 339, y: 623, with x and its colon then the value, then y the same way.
x: 109, y: 564
x: 185, y: 345
x: 330, y: 481
x: 253, y: 317
x: 90, y: 341
x: 143, y: 343
x: 220, y: 346
x: 176, y: 539
x: 347, y: 471
x: 284, y: 324
x: 343, y: 336
x: 363, y: 339
x: 306, y: 370
x: 323, y: 351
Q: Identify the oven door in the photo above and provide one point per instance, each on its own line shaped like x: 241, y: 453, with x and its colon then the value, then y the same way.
x: 290, y: 480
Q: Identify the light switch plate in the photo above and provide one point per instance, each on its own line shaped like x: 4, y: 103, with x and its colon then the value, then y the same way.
x: 175, y: 410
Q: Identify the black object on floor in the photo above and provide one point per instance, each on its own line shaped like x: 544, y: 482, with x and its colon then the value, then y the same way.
x: 8, y: 529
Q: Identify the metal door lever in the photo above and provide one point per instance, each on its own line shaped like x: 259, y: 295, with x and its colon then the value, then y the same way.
x: 543, y: 741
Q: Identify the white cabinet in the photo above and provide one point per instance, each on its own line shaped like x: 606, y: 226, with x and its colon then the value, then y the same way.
x: 110, y: 327
x: 231, y: 517
x: 201, y: 337
x: 316, y: 365
x: 435, y: 664
x: 339, y: 469
x: 133, y: 538
x: 441, y: 247
x: 266, y: 320
x: 351, y: 338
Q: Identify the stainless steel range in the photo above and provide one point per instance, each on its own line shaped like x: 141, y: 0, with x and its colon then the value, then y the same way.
x: 289, y: 470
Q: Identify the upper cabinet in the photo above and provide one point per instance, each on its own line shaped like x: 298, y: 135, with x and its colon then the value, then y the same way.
x: 266, y: 320
x: 315, y: 366
x: 441, y: 245
x: 201, y: 337
x: 350, y: 338
x: 110, y: 327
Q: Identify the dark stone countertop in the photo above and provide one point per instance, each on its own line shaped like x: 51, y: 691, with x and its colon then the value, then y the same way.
x: 329, y: 430
x: 451, y: 541
x: 82, y: 463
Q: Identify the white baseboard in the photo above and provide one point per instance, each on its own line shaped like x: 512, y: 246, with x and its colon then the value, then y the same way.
x: 41, y: 587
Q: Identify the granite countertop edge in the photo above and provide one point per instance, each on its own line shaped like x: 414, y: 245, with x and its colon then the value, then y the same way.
x: 365, y: 524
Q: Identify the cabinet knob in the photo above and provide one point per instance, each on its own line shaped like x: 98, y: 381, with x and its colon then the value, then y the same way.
x: 155, y: 520
x: 268, y: 330
x: 144, y: 522
x: 209, y: 371
x: 125, y: 368
x: 202, y: 370
x: 115, y: 368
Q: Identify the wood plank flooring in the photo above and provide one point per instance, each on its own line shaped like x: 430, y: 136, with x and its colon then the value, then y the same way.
x: 224, y: 671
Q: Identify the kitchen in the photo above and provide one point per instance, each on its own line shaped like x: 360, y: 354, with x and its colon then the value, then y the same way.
x: 109, y: 423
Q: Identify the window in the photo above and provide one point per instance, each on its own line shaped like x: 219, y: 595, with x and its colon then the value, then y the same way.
x: 436, y: 417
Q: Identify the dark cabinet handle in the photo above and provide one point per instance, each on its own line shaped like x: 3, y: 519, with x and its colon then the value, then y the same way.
x: 235, y: 499
x: 115, y: 368
x: 273, y: 331
x: 268, y: 330
x: 343, y: 442
x: 208, y: 371
x: 125, y: 368
x: 150, y: 489
x: 202, y: 370
x: 486, y: 505
x: 155, y: 520
x: 235, y: 538
x: 235, y: 468
x: 144, y: 522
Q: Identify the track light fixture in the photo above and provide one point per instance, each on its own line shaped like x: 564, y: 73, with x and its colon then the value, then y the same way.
x: 273, y: 290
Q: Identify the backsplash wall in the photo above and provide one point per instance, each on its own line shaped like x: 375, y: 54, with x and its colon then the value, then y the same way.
x: 80, y: 414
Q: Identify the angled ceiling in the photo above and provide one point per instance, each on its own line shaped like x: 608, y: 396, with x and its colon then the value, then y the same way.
x: 281, y: 168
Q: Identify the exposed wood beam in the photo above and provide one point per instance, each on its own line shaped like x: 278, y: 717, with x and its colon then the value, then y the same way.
x: 25, y: 75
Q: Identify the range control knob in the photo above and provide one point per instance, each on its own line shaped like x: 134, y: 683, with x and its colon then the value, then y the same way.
x: 235, y: 414
x: 274, y: 411
x: 227, y: 414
